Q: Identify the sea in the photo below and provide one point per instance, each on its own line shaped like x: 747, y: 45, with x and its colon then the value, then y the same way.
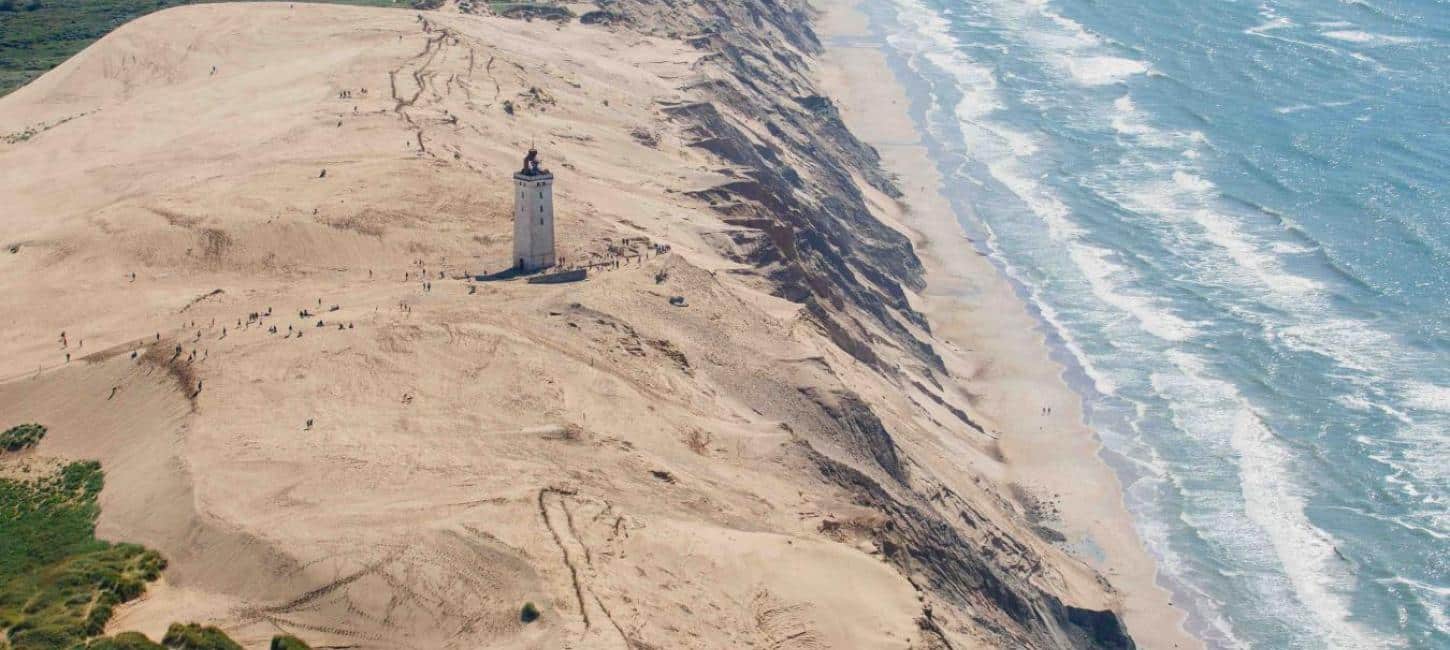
x: 1233, y: 221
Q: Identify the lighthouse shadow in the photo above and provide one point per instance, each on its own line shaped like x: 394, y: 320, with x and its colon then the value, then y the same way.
x: 551, y: 275
x: 505, y: 275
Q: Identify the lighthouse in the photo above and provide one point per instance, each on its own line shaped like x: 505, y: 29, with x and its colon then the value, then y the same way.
x: 533, y: 216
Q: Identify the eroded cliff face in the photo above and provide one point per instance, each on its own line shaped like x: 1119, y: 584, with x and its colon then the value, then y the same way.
x: 807, y: 227
x: 797, y: 197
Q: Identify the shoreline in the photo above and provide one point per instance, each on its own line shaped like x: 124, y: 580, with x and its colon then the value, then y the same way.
x: 993, y: 344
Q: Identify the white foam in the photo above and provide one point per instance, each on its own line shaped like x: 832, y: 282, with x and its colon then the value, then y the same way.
x: 1192, y: 182
x: 1185, y: 199
x: 1126, y: 119
x: 1425, y: 396
x: 1350, y: 343
x: 1101, y: 70
x: 1273, y: 23
x: 1366, y: 38
x: 1435, y: 599
x: 1096, y: 265
x: 1306, y: 553
x: 1417, y: 452
x: 1214, y: 415
x: 1297, y: 108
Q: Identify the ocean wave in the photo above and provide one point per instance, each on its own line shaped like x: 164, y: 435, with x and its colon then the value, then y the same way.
x: 1433, y: 599
x: 1425, y: 396
x: 1350, y: 343
x: 1275, y: 504
x: 1101, y: 70
x: 1154, y: 318
x: 1366, y: 38
x: 1299, y: 108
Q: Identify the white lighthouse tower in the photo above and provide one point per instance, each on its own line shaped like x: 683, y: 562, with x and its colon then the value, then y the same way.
x: 533, y: 216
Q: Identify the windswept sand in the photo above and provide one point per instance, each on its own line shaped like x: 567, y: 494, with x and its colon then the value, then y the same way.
x: 997, y: 343
x: 649, y: 475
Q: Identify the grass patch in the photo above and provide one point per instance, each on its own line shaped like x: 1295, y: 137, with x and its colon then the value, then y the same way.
x: 58, y: 583
x: 21, y: 437
x: 192, y: 636
x: 288, y: 642
x: 125, y: 641
x: 37, y: 35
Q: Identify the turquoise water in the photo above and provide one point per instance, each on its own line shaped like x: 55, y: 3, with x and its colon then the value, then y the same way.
x: 1233, y: 220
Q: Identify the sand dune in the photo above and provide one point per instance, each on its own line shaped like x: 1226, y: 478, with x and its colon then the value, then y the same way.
x: 751, y: 469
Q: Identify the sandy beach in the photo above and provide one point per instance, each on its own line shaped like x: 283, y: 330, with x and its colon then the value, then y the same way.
x: 1001, y: 352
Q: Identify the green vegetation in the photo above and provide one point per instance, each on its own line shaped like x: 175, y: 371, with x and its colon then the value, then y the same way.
x: 125, y: 641
x: 22, y: 436
x: 529, y: 613
x: 190, y: 636
x: 196, y: 637
x: 288, y: 642
x: 58, y: 583
x: 37, y: 35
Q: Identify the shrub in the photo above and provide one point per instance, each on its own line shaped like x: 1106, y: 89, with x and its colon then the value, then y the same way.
x: 125, y: 641
x: 21, y: 436
x: 529, y: 613
x: 288, y: 642
x: 193, y: 636
x: 58, y: 583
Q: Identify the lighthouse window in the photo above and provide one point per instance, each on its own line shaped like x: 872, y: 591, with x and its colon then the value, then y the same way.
x: 541, y: 208
x: 541, y: 195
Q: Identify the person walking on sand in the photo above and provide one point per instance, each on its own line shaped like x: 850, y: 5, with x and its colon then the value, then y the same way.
x: 113, y: 392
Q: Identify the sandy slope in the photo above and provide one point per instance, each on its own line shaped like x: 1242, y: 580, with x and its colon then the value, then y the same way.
x: 649, y: 475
